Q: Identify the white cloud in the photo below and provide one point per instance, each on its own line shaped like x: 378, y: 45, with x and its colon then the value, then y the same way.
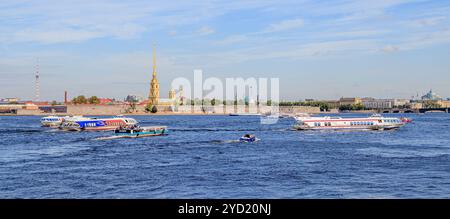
x: 341, y: 28
x: 421, y: 40
x: 390, y: 49
x: 205, y: 30
x: 231, y: 40
x: 432, y: 21
x: 356, y: 33
x: 173, y: 33
x: 285, y: 25
x: 54, y: 36
x: 113, y: 19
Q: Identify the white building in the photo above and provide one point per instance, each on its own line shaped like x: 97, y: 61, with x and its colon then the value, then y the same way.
x: 370, y: 103
x: 401, y: 102
x: 9, y: 100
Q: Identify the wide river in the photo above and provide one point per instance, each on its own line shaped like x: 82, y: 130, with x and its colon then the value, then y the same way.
x: 200, y: 159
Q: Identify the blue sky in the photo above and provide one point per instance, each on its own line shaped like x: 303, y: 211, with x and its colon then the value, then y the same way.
x: 318, y: 49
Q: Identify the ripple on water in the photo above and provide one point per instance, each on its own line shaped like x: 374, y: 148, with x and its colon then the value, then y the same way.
x: 403, y: 153
x: 200, y: 158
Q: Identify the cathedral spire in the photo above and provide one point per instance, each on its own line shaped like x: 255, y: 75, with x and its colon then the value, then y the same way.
x: 154, y: 85
x: 154, y: 60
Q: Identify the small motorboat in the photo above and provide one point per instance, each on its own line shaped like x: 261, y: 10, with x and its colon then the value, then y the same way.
x: 248, y: 138
x: 135, y: 131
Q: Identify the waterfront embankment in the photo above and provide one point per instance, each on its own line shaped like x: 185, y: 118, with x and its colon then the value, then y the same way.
x: 109, y: 110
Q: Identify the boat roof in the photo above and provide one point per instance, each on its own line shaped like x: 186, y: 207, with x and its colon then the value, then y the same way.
x: 154, y: 127
x: 340, y: 118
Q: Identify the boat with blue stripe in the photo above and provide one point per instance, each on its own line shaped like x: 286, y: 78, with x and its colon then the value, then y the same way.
x: 97, y: 124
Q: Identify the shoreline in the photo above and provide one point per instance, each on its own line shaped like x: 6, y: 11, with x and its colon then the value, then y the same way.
x: 124, y: 114
x: 171, y: 114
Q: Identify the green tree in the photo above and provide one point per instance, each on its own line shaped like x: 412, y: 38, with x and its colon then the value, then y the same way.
x: 213, y: 102
x: 151, y: 108
x: 345, y: 107
x: 358, y: 106
x: 354, y: 107
x: 93, y: 100
x: 131, y: 107
x: 54, y: 103
x: 324, y: 107
x: 148, y: 108
x: 269, y: 102
x: 154, y: 109
x: 79, y: 100
x: 224, y: 102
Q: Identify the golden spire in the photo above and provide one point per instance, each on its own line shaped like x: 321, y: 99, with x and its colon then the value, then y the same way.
x: 154, y: 85
x: 154, y: 60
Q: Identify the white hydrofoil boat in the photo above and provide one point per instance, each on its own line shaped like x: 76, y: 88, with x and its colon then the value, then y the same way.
x: 374, y: 122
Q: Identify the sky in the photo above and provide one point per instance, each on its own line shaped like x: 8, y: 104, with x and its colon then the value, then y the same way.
x: 318, y: 49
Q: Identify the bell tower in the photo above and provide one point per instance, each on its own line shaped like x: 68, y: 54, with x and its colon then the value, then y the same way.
x: 154, y: 85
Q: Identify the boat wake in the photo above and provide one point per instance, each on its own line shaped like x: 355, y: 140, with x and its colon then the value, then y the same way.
x: 20, y: 130
x: 230, y: 141
x: 107, y: 138
x: 234, y: 141
x: 343, y: 131
x: 209, y: 130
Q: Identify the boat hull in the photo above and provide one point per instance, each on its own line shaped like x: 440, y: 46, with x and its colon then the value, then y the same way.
x: 88, y: 124
x: 140, y: 135
x: 144, y: 132
x: 51, y: 121
x: 71, y: 129
x: 101, y: 128
x: 253, y: 139
x: 51, y: 124
x: 337, y: 123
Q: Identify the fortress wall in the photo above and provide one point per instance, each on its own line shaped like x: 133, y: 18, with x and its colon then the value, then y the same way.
x: 299, y: 109
x: 123, y: 109
x: 96, y: 109
x: 243, y: 109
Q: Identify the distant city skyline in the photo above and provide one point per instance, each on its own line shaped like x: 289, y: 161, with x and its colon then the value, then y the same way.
x: 318, y: 49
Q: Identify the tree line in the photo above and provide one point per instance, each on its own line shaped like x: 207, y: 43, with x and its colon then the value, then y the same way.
x: 83, y: 100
